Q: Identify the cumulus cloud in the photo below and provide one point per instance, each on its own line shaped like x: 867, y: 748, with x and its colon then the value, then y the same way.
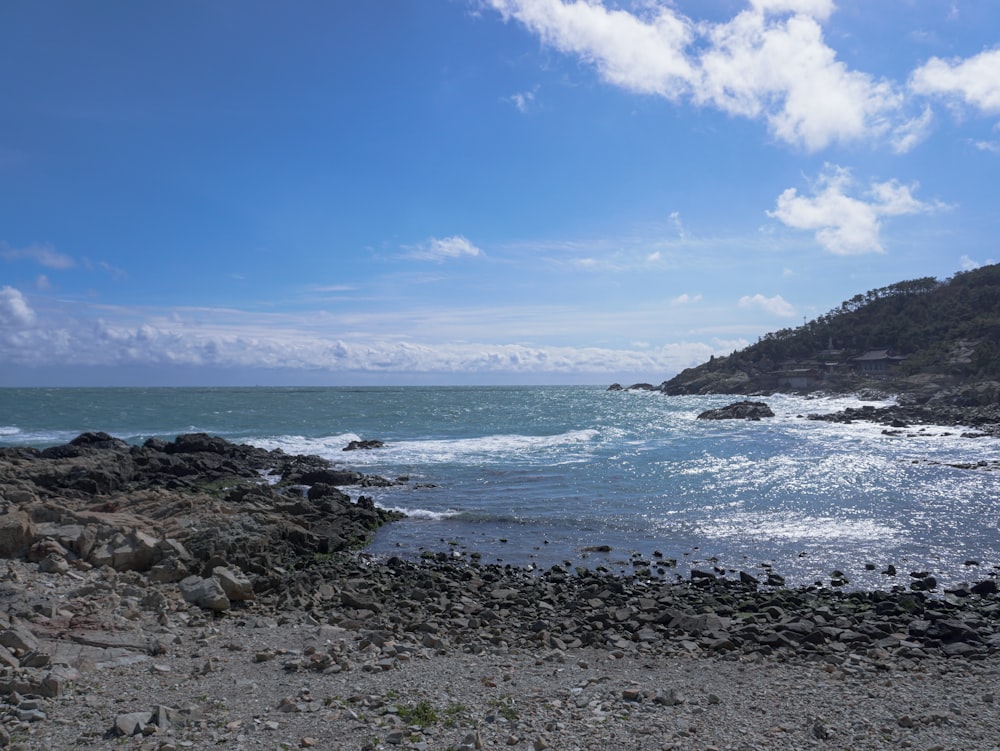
x: 770, y: 62
x: 44, y: 255
x: 781, y: 70
x: 640, y: 54
x: 776, y: 305
x: 15, y: 313
x: 444, y: 249
x: 844, y: 224
x: 974, y: 81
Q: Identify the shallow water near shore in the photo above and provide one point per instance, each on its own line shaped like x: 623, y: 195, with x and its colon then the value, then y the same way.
x: 537, y: 475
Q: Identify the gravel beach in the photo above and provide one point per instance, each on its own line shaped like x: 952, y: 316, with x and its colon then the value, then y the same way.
x: 256, y: 677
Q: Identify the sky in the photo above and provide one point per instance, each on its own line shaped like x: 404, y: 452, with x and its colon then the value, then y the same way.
x: 436, y: 192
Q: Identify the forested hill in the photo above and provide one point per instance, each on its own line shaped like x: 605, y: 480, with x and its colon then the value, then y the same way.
x: 920, y: 333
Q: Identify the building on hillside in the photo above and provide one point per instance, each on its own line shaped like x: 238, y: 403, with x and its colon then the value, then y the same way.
x: 877, y: 362
x: 800, y: 378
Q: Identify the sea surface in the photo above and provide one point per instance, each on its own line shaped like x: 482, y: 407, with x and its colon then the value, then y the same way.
x: 537, y: 475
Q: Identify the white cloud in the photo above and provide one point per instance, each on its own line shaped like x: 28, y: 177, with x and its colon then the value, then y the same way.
x: 975, y: 80
x: 645, y: 55
x: 968, y: 264
x: 444, y: 249
x: 907, y: 135
x: 675, y: 219
x: 781, y: 70
x: 45, y: 255
x: 776, y: 305
x: 816, y: 8
x: 686, y: 299
x: 15, y: 313
x: 844, y: 224
x: 522, y: 100
x: 166, y: 343
x: 333, y: 288
x: 770, y: 62
x: 442, y: 341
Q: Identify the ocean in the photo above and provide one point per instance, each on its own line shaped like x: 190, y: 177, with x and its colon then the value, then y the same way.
x: 538, y: 476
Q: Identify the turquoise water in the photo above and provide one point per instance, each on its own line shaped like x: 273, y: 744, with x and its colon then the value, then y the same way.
x: 534, y: 475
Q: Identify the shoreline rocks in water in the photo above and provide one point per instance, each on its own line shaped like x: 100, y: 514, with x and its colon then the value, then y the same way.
x: 364, y: 445
x: 171, y: 592
x: 744, y: 410
x: 984, y: 419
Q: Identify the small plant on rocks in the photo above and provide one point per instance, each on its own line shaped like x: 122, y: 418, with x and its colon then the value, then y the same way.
x: 505, y: 708
x: 452, y: 714
x: 422, y: 714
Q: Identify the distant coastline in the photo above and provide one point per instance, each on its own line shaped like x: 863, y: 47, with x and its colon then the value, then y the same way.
x: 975, y: 406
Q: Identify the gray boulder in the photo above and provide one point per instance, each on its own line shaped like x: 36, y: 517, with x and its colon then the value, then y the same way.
x: 17, y: 533
x: 234, y: 583
x: 205, y: 593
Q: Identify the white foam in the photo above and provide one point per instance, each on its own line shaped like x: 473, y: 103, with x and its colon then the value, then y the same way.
x: 441, y: 450
x: 421, y: 513
x: 494, y: 447
x: 40, y: 438
x: 326, y: 446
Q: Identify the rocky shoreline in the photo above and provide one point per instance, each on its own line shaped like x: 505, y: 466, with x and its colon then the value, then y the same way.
x: 195, y: 593
x: 920, y: 401
x: 984, y: 420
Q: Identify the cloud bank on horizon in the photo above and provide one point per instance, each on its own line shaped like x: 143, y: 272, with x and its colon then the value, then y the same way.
x: 526, y: 190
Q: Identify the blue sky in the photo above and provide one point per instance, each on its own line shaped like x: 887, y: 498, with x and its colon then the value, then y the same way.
x: 474, y: 191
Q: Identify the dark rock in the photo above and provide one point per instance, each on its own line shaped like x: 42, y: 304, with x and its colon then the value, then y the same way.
x: 985, y: 587
x: 925, y: 584
x: 194, y: 443
x: 745, y: 410
x: 326, y: 476
x: 366, y: 445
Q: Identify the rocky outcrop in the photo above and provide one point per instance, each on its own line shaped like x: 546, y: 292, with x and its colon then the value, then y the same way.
x: 983, y: 419
x: 365, y: 445
x: 704, y: 380
x: 164, y: 507
x: 745, y: 410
